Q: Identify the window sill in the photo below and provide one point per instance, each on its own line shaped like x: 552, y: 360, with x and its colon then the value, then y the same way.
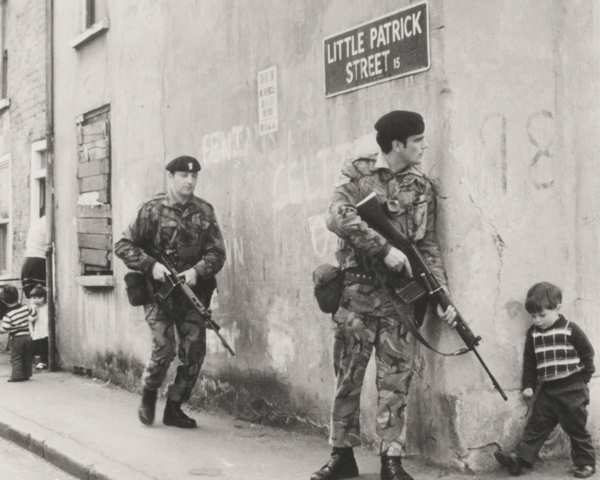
x: 96, y: 29
x: 4, y: 104
x: 96, y: 281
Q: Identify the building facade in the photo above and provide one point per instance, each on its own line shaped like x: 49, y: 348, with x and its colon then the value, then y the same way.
x: 508, y: 91
x: 22, y: 128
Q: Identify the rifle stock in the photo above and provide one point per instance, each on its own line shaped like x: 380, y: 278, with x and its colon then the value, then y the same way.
x: 371, y: 212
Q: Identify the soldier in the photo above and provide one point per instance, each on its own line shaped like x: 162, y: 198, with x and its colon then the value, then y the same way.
x: 182, y: 222
x: 367, y: 317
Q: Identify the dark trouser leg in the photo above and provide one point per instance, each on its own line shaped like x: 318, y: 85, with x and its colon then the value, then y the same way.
x: 16, y: 358
x: 28, y: 357
x: 191, y: 333
x: 40, y: 347
x: 395, y: 360
x: 541, y: 423
x: 163, y: 346
x: 43, y: 351
x: 352, y: 346
x: 21, y: 357
x: 572, y: 406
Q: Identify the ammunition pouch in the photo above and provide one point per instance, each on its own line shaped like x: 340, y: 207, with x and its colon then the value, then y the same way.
x: 408, y: 289
x: 139, y: 291
x: 328, y: 284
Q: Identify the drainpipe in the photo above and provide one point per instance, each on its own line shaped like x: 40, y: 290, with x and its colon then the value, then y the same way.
x: 50, y: 186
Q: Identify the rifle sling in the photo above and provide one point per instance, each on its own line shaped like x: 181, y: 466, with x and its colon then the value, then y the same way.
x: 413, y: 329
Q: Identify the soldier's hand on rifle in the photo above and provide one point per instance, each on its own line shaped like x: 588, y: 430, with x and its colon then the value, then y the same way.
x: 191, y: 276
x: 397, y: 261
x: 159, y: 272
x: 449, y: 315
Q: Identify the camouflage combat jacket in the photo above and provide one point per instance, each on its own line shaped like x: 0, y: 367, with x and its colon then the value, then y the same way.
x: 161, y: 223
x: 410, y: 200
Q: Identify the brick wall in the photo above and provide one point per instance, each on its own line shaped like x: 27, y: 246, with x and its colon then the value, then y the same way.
x: 24, y: 121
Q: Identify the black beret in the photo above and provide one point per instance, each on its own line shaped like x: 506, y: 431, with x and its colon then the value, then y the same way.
x: 183, y: 164
x: 400, y: 124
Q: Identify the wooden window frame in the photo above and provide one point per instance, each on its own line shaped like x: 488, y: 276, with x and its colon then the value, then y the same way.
x: 94, y: 209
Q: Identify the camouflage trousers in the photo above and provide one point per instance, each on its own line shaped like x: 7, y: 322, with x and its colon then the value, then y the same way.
x: 356, y: 334
x: 164, y: 321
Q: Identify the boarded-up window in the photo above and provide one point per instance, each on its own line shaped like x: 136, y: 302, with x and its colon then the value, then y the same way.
x: 94, y: 211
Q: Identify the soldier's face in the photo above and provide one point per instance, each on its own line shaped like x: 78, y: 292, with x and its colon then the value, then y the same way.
x: 183, y: 183
x: 412, y: 154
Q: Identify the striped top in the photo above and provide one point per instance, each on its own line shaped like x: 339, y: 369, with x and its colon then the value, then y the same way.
x: 16, y: 320
x: 556, y: 352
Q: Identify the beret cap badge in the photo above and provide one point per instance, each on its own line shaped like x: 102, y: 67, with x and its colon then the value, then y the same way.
x: 184, y: 163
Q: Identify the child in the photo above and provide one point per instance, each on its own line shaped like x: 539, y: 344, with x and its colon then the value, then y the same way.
x: 558, y: 362
x: 39, y: 326
x: 16, y: 323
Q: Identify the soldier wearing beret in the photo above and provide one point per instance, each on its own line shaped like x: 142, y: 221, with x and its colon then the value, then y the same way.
x: 369, y: 313
x: 179, y: 221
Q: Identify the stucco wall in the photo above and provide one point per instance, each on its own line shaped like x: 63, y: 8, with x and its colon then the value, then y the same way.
x: 500, y: 92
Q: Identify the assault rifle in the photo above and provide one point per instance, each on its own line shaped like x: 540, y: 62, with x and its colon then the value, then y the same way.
x: 371, y: 212
x: 173, y: 280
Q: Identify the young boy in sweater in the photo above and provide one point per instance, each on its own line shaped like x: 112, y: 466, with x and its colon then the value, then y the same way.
x: 558, y: 364
x: 16, y: 323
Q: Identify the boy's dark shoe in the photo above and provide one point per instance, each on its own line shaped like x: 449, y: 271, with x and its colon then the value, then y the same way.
x: 174, y: 416
x: 585, y: 471
x: 342, y: 464
x: 391, y: 469
x: 147, y: 407
x: 510, y: 460
x: 17, y: 379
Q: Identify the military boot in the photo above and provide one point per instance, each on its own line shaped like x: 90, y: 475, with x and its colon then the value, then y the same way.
x: 391, y: 469
x: 175, y: 417
x: 146, y: 408
x: 342, y: 464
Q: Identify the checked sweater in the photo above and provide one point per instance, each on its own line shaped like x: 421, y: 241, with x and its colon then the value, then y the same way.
x: 558, y: 355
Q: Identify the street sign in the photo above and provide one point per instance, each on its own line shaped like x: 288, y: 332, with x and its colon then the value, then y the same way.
x: 392, y: 46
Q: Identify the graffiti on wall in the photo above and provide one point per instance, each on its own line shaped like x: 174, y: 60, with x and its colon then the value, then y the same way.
x: 541, y: 135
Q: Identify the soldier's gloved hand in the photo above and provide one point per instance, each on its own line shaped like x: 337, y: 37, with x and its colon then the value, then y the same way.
x: 397, y: 261
x: 191, y: 276
x: 159, y: 271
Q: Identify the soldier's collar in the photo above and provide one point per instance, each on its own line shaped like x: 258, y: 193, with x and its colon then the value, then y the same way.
x: 382, y: 163
x: 173, y: 201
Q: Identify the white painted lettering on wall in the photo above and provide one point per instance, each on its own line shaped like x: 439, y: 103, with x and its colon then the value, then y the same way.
x: 235, y: 252
x: 322, y: 240
x: 222, y: 146
x: 267, y: 101
x: 280, y: 338
x: 311, y: 178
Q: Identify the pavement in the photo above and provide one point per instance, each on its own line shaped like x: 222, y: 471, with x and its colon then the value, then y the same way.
x: 89, y: 428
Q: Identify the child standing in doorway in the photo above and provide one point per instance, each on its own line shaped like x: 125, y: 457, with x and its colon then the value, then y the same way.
x: 39, y: 326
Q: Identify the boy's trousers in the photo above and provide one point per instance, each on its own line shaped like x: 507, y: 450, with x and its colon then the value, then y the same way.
x: 567, y: 406
x: 21, y: 356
